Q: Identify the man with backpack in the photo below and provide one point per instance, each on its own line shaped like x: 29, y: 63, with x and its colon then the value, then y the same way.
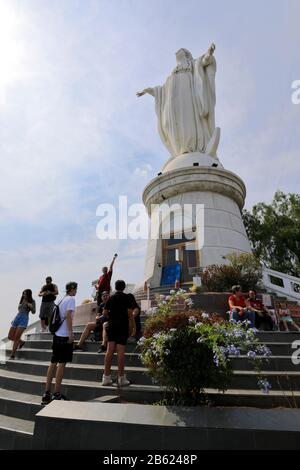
x: 61, y: 326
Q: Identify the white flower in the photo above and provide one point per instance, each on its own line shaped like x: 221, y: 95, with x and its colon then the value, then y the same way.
x: 172, y: 292
x: 205, y: 315
x: 152, y: 311
x: 192, y: 320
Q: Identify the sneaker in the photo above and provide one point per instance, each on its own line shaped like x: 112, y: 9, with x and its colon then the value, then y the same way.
x: 78, y: 348
x: 102, y: 349
x: 123, y: 382
x: 106, y: 380
x: 59, y: 396
x: 12, y: 356
x: 46, y: 398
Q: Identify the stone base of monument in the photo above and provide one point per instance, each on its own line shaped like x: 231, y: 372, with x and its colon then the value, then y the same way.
x: 88, y: 426
x: 216, y: 197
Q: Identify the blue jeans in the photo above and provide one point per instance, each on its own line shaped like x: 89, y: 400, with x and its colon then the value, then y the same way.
x: 246, y: 315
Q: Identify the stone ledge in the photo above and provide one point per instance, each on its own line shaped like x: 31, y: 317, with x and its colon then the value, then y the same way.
x: 185, y: 180
x: 73, y: 425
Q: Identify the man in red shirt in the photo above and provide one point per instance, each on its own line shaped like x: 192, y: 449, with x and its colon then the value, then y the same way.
x: 239, y: 310
x: 104, y: 280
x: 263, y: 319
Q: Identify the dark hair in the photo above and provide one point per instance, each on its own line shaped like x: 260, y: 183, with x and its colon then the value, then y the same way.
x: 70, y: 286
x: 235, y: 289
x: 253, y: 290
x: 28, y: 293
x: 49, y: 277
x: 120, y: 285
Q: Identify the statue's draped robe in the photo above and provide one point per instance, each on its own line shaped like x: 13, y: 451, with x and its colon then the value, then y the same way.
x: 185, y: 108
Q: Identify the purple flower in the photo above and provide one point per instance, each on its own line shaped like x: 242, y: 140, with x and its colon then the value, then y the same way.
x: 251, y: 354
x: 264, y: 385
x: 233, y: 350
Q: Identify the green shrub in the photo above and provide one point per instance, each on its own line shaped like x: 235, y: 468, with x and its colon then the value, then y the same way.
x: 243, y: 269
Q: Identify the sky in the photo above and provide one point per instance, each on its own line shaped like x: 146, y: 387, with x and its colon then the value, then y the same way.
x: 74, y: 135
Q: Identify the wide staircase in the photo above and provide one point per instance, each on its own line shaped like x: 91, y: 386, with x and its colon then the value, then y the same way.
x: 22, y: 382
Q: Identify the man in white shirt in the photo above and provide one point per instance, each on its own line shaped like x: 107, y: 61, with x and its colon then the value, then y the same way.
x: 62, y: 346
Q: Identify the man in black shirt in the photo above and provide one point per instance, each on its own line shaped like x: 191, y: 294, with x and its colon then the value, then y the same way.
x: 118, y: 309
x: 48, y: 292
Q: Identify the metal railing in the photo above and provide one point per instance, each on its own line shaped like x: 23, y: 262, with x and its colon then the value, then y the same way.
x: 282, y: 284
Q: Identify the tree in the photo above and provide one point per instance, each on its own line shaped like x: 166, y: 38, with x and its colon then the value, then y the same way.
x: 274, y: 232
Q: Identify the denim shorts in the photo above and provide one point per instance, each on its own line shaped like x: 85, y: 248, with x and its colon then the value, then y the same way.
x: 20, y: 321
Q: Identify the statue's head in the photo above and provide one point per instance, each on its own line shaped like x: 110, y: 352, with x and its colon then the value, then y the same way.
x: 184, y: 56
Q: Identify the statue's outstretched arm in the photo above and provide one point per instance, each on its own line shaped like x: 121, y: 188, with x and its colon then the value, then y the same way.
x: 150, y: 91
x: 206, y: 60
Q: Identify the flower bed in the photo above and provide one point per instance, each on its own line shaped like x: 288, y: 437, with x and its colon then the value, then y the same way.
x: 191, y: 351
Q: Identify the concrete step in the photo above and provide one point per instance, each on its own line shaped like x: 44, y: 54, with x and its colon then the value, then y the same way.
x: 263, y: 336
x: 85, y: 372
x: 79, y: 357
x: 274, y: 363
x: 279, y: 380
x: 18, y: 404
x: 49, y: 337
x: 15, y: 433
x: 281, y: 360
x: 77, y: 390
x: 242, y: 379
x: 89, y: 345
x: 280, y: 349
x: 278, y: 336
x: 255, y: 398
x: 83, y: 391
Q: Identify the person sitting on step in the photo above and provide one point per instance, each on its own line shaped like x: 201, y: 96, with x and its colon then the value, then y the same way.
x: 285, y: 317
x: 239, y: 311
x: 95, y: 326
x: 263, y: 320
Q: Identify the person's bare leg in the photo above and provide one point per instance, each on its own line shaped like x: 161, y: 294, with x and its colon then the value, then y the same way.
x: 108, y: 357
x: 295, y: 326
x: 285, y: 325
x: 59, y: 376
x: 50, y: 375
x: 11, y: 334
x: 18, y: 334
x: 43, y: 324
x: 86, y: 333
x: 121, y: 359
x: 104, y: 334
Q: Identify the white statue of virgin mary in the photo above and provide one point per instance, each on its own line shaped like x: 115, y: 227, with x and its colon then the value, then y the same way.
x: 185, y: 105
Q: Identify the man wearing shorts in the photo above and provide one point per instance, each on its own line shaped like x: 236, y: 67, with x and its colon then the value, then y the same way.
x: 48, y: 292
x: 118, y: 309
x: 62, y: 346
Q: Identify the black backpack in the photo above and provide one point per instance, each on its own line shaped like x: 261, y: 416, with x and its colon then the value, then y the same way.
x: 55, y: 321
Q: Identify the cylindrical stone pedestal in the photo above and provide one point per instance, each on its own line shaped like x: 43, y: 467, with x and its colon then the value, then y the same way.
x: 221, y: 192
